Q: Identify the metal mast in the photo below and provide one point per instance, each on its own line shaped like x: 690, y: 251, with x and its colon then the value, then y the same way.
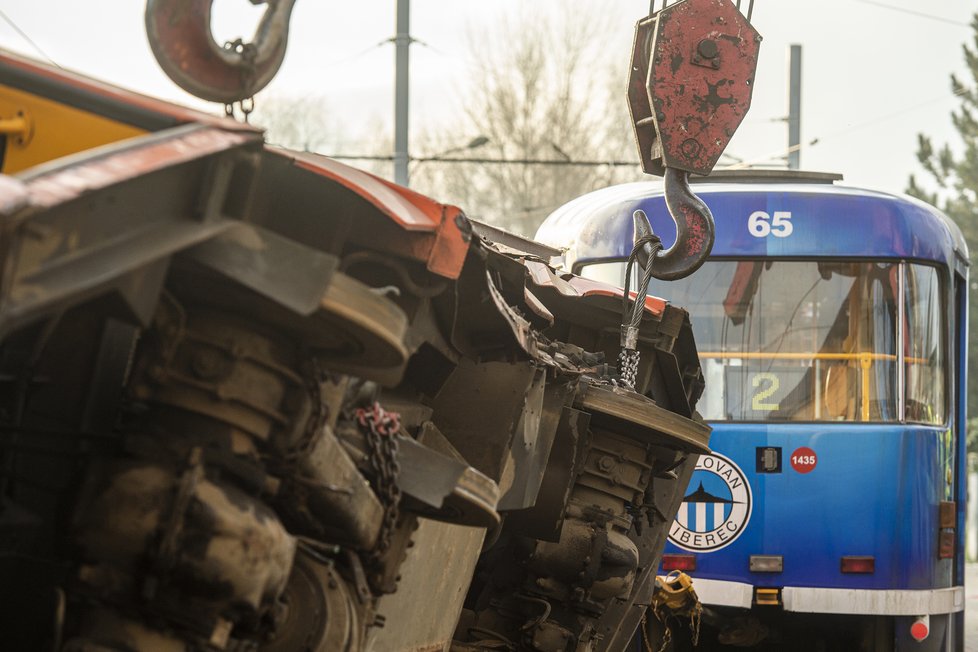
x: 402, y: 43
x: 794, y: 108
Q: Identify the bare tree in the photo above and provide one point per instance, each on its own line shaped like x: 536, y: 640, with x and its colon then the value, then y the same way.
x: 302, y: 123
x: 539, y: 90
x: 305, y: 123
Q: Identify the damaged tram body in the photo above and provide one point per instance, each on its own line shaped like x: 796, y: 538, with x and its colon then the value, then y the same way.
x: 256, y: 399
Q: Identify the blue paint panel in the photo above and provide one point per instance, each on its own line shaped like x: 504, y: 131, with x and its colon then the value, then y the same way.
x: 876, y: 487
x: 826, y: 221
x: 874, y: 491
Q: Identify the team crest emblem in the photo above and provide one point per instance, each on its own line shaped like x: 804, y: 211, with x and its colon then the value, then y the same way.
x: 716, y: 508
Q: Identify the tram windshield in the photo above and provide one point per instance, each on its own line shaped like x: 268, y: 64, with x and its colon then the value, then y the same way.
x: 813, y: 340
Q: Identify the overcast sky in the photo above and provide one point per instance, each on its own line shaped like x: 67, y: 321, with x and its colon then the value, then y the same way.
x: 873, y: 75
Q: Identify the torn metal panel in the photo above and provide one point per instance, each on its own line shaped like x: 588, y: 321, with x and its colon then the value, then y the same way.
x: 522, y: 330
x: 673, y: 382
x: 543, y: 519
x: 537, y: 307
x: 512, y: 242
x: 543, y: 408
x: 478, y: 409
x: 530, y: 449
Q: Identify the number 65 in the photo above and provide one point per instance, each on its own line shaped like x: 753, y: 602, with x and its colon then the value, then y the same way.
x: 761, y: 225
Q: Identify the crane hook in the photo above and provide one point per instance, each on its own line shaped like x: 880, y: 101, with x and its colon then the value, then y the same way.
x: 179, y: 33
x: 694, y: 231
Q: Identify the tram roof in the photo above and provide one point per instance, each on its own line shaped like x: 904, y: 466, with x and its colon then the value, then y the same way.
x: 827, y: 220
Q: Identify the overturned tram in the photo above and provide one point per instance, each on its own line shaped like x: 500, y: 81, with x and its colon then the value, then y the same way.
x: 255, y: 399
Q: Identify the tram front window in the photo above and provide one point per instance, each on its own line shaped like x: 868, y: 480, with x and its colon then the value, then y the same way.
x: 811, y: 340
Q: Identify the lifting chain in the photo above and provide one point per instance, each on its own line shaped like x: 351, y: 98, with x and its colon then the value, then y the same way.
x: 380, y: 429
x: 628, y: 360
x: 629, y: 356
x: 249, y: 54
x: 674, y: 597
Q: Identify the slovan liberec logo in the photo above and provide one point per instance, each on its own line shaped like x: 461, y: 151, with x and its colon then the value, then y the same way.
x: 717, y: 508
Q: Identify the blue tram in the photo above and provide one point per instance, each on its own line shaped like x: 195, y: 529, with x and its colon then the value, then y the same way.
x: 831, y: 324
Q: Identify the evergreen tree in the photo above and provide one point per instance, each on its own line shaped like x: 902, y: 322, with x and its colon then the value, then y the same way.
x: 956, y: 177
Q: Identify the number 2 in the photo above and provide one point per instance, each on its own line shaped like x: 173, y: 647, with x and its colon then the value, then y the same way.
x: 758, y: 401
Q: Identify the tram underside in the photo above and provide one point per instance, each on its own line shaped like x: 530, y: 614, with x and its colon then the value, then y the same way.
x: 256, y: 400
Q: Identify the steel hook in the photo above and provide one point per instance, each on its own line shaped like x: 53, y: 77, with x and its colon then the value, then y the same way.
x: 695, y: 231
x: 179, y: 33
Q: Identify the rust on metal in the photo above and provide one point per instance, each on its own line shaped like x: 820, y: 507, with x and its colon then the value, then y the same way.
x: 180, y: 35
x: 691, y: 83
x: 203, y: 342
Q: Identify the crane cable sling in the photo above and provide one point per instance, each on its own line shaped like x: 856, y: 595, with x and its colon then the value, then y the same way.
x: 628, y: 357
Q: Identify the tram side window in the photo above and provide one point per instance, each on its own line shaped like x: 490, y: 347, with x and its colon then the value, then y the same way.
x: 791, y: 340
x: 924, y: 341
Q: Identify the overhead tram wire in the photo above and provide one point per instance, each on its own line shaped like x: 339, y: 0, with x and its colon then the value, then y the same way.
x: 620, y: 163
x: 378, y: 45
x: 27, y: 38
x: 920, y: 14
x: 357, y: 55
x: 665, y: 3
x: 488, y: 161
x: 781, y: 153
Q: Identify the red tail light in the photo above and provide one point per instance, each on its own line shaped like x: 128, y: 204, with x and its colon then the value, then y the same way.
x: 679, y: 562
x: 920, y: 628
x: 858, y: 564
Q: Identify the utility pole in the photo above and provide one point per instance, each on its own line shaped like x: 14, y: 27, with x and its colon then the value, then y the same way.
x: 794, y: 108
x: 402, y: 43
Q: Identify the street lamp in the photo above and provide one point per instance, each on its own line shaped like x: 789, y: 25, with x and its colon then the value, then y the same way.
x: 562, y: 153
x: 475, y: 143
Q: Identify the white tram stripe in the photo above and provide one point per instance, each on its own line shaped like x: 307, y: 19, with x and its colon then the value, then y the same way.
x: 895, y: 602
